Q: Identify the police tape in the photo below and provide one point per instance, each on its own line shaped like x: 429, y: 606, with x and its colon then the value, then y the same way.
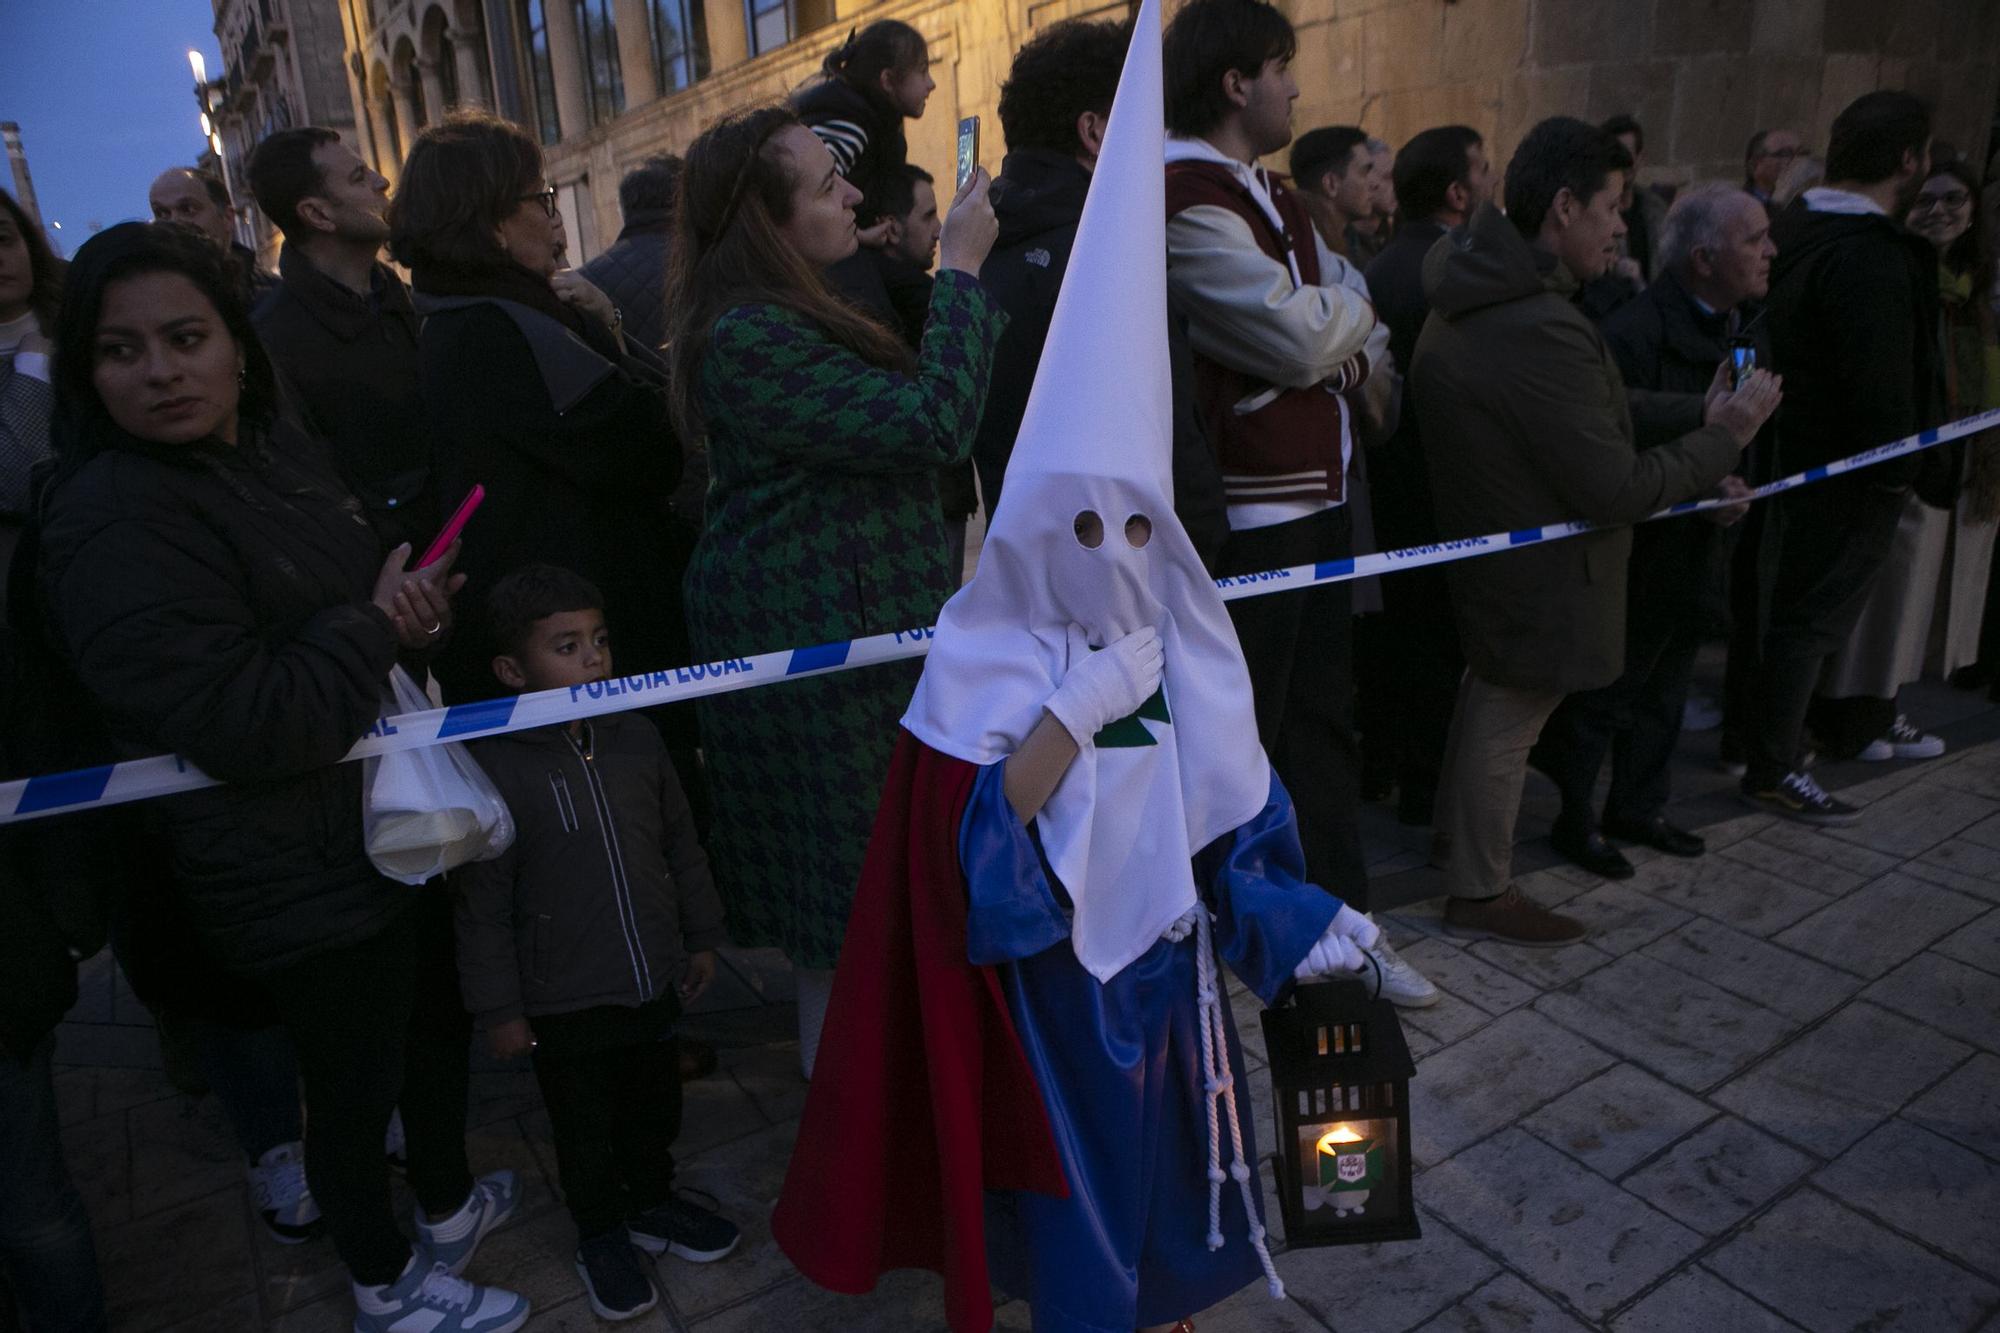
x: 165, y: 775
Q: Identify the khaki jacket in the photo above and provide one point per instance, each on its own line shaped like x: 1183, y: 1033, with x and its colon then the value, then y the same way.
x: 1525, y: 423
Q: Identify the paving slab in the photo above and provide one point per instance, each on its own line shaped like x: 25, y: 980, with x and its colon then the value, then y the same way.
x: 1391, y: 1286
x: 1880, y: 924
x: 1450, y: 1019
x: 1719, y: 1175
x: 1740, y: 895
x: 1965, y: 1107
x: 1617, y: 1120
x: 1962, y: 865
x: 1696, y: 1301
x: 1542, y: 968
x: 1834, y: 1084
x: 99, y: 1154
x: 1945, y: 994
x: 1505, y: 1305
x: 182, y: 1149
x: 1621, y: 918
x: 178, y: 1264
x: 903, y: 1300
x: 1812, y: 861
x: 1946, y: 1196
x: 1250, y: 1310
x: 1833, y: 1270
x: 1469, y: 977
x: 1976, y: 943
x: 1555, y: 1222
x: 1788, y: 983
x: 1917, y: 818
x: 1493, y: 1078
x: 745, y: 1177
x: 1679, y: 1026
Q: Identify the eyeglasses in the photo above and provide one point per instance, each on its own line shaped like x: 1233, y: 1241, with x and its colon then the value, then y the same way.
x: 1951, y: 200
x: 548, y: 198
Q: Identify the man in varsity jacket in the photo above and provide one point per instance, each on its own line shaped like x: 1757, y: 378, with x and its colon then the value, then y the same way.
x: 1284, y: 340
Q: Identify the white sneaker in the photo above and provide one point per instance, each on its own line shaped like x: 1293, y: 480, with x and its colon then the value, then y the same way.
x: 450, y: 1243
x: 1402, y: 984
x: 284, y: 1199
x: 1904, y: 741
x: 429, y: 1298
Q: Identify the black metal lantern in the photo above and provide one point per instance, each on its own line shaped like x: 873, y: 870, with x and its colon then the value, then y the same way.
x: 1340, y: 1082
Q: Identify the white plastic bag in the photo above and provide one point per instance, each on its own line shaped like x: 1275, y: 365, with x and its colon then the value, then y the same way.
x: 425, y: 811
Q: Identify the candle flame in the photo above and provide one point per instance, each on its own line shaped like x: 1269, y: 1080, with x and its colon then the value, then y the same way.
x: 1338, y: 1134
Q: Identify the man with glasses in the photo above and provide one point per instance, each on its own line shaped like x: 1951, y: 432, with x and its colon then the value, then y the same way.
x: 1769, y: 153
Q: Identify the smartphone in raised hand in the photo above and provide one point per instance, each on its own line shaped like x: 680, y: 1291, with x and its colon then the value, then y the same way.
x: 968, y: 150
x: 435, y: 552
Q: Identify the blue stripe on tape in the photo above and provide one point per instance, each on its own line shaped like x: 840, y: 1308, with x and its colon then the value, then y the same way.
x: 1815, y: 474
x: 1684, y: 507
x: 816, y: 658
x: 1333, y: 569
x: 464, y: 719
x: 1927, y: 437
x: 59, y: 789
x: 1522, y: 536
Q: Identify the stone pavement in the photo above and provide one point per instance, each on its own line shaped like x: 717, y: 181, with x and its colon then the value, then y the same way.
x: 1764, y: 1095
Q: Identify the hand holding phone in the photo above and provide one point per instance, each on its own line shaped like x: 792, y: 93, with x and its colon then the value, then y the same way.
x: 968, y: 151
x: 435, y: 551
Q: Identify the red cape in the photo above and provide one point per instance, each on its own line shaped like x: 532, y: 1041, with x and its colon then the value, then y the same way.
x: 922, y: 1099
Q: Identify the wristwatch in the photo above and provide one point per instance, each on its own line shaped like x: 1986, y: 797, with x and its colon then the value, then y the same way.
x: 617, y: 319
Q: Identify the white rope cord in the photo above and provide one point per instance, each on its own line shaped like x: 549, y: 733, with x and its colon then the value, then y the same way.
x: 1220, y: 1095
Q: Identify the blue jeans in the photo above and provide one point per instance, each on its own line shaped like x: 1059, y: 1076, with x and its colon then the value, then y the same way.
x: 46, y: 1252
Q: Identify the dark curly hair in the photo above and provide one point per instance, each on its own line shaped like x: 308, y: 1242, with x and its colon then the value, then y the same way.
x: 1206, y: 40
x: 1068, y: 70
x: 1560, y: 153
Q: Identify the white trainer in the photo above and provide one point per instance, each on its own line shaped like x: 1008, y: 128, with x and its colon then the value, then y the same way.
x: 1904, y: 741
x: 283, y: 1198
x: 1402, y: 985
x: 428, y: 1298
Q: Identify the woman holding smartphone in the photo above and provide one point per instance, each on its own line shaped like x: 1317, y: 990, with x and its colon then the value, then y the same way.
x: 824, y: 438
x: 221, y: 596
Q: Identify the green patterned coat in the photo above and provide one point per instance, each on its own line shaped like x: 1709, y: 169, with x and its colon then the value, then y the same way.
x: 823, y: 524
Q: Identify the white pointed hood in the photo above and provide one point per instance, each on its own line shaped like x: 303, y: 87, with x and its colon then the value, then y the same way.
x: 1097, y: 435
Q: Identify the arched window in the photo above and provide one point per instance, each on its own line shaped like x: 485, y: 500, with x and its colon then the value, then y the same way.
x: 604, y: 79
x: 680, y: 43
x: 535, y: 25
x: 447, y: 59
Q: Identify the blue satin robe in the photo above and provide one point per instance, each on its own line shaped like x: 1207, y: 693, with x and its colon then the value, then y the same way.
x: 1119, y: 1065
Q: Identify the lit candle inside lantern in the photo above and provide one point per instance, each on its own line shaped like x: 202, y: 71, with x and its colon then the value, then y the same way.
x: 1350, y: 1164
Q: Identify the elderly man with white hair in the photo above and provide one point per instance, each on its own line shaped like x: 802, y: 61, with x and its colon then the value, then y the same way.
x: 1673, y: 344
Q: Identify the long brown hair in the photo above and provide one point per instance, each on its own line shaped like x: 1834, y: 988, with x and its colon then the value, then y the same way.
x: 45, y: 271
x: 736, y: 191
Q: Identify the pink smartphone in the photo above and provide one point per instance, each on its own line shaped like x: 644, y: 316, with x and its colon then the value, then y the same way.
x: 471, y: 502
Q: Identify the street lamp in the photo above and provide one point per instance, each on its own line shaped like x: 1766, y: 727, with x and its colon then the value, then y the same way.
x: 199, y: 67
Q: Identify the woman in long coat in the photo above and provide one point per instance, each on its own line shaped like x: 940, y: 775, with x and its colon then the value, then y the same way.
x: 824, y: 442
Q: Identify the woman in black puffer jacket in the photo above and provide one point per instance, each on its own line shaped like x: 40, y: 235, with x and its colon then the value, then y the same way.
x: 220, y: 595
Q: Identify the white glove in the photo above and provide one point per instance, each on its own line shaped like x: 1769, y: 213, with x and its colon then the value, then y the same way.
x: 1101, y: 687
x: 1339, y: 949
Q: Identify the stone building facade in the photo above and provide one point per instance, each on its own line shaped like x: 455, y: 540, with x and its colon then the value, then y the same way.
x: 605, y: 83
x: 281, y: 67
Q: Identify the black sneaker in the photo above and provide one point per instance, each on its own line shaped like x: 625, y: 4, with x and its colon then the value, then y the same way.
x: 614, y: 1277
x: 1796, y: 796
x: 685, y: 1230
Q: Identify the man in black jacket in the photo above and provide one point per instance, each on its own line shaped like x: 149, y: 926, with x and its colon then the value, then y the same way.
x: 1853, y: 326
x: 340, y: 330
x: 1054, y: 108
x: 1714, y: 254
x: 633, y: 272
x: 1441, y: 178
